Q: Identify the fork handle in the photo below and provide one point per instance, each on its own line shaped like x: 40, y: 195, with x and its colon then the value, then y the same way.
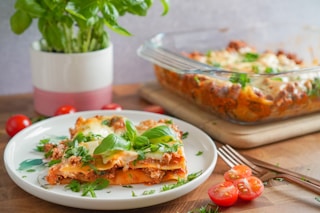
x: 301, y: 182
x: 284, y: 171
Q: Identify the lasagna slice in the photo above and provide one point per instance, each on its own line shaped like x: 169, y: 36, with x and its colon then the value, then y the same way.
x: 113, y: 148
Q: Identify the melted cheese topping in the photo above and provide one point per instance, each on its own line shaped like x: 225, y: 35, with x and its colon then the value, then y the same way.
x: 236, y: 59
x: 99, y: 127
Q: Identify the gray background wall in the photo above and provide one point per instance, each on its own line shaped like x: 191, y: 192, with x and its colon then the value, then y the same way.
x: 15, y: 74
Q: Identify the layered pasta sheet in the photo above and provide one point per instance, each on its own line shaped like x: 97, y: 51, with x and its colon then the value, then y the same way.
x: 116, y: 149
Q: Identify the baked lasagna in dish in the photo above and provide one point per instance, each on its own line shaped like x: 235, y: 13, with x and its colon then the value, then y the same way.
x: 247, y: 86
x: 116, y: 149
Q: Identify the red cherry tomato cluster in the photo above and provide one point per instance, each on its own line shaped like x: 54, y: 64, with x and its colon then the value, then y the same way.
x: 239, y: 183
x: 18, y: 122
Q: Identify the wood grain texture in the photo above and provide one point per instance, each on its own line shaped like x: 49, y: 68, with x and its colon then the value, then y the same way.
x: 300, y: 154
x: 239, y: 136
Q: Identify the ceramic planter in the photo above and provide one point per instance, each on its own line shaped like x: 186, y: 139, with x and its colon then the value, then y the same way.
x: 83, y: 80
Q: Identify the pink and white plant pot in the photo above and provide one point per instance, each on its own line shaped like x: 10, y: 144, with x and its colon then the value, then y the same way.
x: 83, y: 80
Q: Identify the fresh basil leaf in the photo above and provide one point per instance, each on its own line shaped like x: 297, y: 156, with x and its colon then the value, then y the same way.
x: 111, y: 143
x: 20, y: 21
x: 160, y: 134
x: 166, y: 6
x: 131, y: 131
x: 75, y: 26
x: 31, y: 7
x: 141, y: 142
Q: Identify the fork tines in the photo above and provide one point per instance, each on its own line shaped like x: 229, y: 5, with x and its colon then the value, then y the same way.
x: 232, y: 158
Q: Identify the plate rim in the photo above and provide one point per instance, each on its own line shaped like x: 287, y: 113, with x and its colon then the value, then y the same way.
x: 152, y: 199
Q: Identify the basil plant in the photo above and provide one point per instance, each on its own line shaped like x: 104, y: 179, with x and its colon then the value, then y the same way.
x: 72, y: 26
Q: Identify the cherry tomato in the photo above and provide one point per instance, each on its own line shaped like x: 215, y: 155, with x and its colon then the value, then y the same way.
x: 237, y: 172
x: 112, y: 106
x: 16, y: 123
x: 154, y: 108
x: 65, y: 109
x: 249, y: 187
x: 223, y: 194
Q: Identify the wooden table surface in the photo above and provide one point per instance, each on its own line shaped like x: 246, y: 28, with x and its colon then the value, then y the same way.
x: 300, y: 154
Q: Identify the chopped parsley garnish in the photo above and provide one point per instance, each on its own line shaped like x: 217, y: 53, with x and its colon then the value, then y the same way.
x: 181, y: 182
x: 88, y: 188
x: 199, y: 153
x: 185, y: 135
x: 196, y: 79
x: 315, y: 89
x: 86, y: 138
x: 241, y: 78
x: 149, y: 192
x: 209, y: 208
x: 106, y: 122
x: 79, y: 151
x: 271, y: 70
x: 74, y: 186
x: 42, y: 143
x: 215, y: 64
x: 255, y: 69
x: 250, y: 57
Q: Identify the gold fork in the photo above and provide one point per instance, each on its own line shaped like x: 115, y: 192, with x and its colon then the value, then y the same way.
x: 231, y: 157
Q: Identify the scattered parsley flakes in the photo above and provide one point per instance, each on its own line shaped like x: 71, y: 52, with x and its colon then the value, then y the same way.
x: 241, y: 78
x: 209, y: 208
x: 42, y: 143
x: 317, y: 198
x: 181, y: 182
x: 185, y: 135
x: 199, y: 153
x: 250, y: 57
x: 88, y: 188
x: 149, y: 192
x: 74, y: 186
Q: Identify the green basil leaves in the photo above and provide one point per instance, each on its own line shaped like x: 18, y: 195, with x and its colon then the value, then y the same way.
x: 111, y: 143
x: 71, y: 26
x: 160, y: 134
x: 152, y: 140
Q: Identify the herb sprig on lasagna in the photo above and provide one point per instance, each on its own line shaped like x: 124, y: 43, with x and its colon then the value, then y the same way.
x: 117, y: 150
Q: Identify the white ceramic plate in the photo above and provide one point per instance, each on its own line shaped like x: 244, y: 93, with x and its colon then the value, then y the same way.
x: 21, y: 147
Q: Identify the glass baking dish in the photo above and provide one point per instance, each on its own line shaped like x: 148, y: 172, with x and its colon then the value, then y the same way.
x: 233, y: 94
